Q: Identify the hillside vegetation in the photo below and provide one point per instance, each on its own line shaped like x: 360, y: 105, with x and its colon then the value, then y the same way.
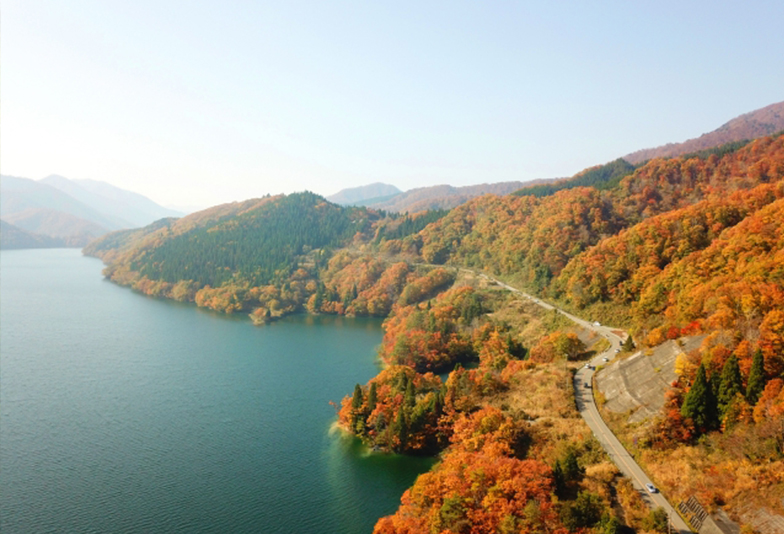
x: 691, y: 245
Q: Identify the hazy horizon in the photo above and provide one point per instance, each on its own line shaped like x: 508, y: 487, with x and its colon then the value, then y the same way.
x: 189, y: 104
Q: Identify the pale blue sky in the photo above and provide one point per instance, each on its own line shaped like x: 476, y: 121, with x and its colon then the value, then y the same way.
x: 207, y: 102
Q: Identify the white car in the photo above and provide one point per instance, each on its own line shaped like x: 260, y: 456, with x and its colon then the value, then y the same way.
x: 605, y: 359
x: 651, y: 488
x: 597, y: 323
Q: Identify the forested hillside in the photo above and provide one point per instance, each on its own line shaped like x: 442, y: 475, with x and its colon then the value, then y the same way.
x: 604, y: 176
x: 588, y: 247
x: 691, y: 245
x: 682, y: 246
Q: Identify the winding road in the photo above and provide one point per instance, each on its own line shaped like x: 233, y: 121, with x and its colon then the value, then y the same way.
x: 588, y: 410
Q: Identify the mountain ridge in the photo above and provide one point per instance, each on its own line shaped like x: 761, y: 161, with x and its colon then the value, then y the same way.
x: 131, y: 209
x: 752, y: 125
x: 359, y: 195
x: 72, y: 212
x: 13, y: 237
x: 440, y: 197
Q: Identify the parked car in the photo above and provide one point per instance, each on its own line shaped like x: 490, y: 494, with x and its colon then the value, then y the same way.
x: 587, y: 385
x: 597, y: 323
x: 605, y: 359
x: 651, y: 488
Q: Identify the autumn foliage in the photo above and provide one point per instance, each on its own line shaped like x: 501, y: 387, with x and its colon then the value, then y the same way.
x: 399, y: 410
x: 479, y: 486
x: 680, y: 246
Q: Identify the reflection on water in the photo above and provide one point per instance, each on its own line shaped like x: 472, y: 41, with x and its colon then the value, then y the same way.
x: 357, y: 477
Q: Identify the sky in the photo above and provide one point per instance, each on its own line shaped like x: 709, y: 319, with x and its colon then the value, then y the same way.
x: 197, y: 103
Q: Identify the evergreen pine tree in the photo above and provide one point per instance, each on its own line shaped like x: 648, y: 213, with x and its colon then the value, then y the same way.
x: 559, y: 480
x: 756, y: 382
x: 357, y: 400
x: 715, y: 384
x: 402, y: 381
x: 347, y: 300
x: 400, y: 429
x: 319, y: 300
x: 432, y: 326
x: 409, y: 400
x: 571, y: 468
x: 628, y: 345
x: 372, y: 397
x: 700, y: 403
x: 731, y: 384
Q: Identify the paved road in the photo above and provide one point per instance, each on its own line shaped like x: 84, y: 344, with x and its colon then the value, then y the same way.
x: 588, y: 410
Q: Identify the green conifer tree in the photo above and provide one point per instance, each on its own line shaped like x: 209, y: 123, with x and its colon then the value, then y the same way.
x: 756, y: 383
x: 700, y: 403
x: 319, y: 300
x: 347, y: 299
x: 358, y: 419
x: 571, y: 469
x: 372, y: 397
x: 432, y: 326
x: 409, y: 400
x: 731, y: 384
x: 358, y: 399
x: 400, y: 429
x: 628, y: 345
x: 559, y: 480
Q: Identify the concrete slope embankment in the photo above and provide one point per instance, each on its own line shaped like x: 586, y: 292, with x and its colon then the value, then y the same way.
x: 637, y: 384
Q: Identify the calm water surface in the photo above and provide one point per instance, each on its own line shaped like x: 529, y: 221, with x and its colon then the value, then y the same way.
x: 122, y: 413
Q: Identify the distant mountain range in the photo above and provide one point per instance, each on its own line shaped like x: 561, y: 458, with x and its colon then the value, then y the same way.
x: 753, y: 125
x: 423, y: 198
x: 56, y: 211
x: 13, y: 237
x: 363, y: 194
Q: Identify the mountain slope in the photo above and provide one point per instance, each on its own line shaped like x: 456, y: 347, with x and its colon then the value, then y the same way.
x: 131, y: 209
x: 604, y: 176
x: 74, y: 211
x: 254, y: 242
x: 359, y: 195
x: 759, y: 123
x: 441, y: 197
x: 13, y: 237
x: 20, y: 194
x: 74, y: 231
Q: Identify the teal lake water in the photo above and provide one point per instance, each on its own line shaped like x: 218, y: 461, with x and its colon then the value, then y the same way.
x: 125, y: 414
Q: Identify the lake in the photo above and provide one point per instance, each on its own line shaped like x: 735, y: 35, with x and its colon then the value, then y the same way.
x: 122, y: 413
